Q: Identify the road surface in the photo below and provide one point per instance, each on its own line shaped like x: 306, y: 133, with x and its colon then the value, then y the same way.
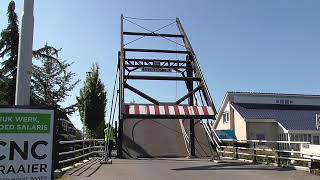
x: 182, y: 169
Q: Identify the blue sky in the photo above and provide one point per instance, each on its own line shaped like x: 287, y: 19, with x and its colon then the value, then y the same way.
x: 242, y: 45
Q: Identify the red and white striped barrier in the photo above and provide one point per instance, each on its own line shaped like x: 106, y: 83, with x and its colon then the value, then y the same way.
x: 169, y: 110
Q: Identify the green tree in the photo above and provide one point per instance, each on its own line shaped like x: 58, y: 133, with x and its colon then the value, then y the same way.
x: 92, y: 103
x: 9, y: 43
x: 51, y: 80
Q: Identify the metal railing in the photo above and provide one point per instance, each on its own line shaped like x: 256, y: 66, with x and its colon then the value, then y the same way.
x: 211, y: 134
x: 185, y: 136
x: 77, y: 150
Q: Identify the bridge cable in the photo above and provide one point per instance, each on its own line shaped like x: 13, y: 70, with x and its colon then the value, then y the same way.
x: 203, y: 122
x: 113, y: 113
x: 155, y: 33
x: 113, y: 103
x: 113, y: 93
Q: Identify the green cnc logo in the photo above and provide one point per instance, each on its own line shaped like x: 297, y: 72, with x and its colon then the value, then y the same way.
x: 20, y: 123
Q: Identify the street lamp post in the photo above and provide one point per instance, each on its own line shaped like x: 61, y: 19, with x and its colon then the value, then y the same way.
x: 25, y: 55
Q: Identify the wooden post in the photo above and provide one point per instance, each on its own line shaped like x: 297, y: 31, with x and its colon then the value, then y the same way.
x: 254, y: 152
x: 237, y: 155
x: 278, y: 154
x: 222, y: 151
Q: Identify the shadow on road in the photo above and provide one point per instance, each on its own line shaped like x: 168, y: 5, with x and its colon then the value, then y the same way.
x: 88, y: 168
x: 233, y: 166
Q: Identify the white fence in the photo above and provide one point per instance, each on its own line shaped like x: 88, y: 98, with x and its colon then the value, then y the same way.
x: 311, y: 151
x: 290, y: 151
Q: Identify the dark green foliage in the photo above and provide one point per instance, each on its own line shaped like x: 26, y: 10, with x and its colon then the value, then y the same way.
x: 92, y: 102
x: 9, y: 44
x: 51, y: 80
x: 99, y: 132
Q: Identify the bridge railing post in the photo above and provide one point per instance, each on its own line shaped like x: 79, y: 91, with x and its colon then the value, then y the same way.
x: 278, y: 154
x: 236, y: 151
x: 90, y: 146
x: 254, y: 152
x: 222, y: 149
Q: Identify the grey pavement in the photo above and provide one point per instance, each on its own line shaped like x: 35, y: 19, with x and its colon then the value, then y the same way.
x: 182, y: 169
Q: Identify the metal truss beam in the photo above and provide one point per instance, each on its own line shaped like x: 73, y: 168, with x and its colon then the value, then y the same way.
x: 156, y: 63
x: 169, y: 78
x: 153, y: 34
x: 147, y: 97
x: 156, y: 51
x: 188, y: 95
x: 196, y: 66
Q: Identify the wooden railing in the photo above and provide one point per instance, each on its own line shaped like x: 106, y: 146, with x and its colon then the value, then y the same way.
x: 281, y: 152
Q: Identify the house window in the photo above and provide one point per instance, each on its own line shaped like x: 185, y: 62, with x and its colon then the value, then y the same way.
x: 283, y: 137
x: 260, y: 137
x: 309, y: 138
x: 315, y: 140
x: 226, y: 117
x: 284, y: 101
x: 291, y: 137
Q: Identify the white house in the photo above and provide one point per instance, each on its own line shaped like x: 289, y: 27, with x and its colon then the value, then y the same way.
x: 270, y: 116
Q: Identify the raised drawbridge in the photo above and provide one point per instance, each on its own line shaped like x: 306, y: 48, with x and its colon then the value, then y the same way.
x: 152, y: 128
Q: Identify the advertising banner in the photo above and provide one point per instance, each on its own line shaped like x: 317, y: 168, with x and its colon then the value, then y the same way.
x: 26, y: 144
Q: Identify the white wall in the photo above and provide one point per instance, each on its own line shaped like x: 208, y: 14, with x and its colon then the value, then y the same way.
x: 240, y: 126
x: 224, y: 125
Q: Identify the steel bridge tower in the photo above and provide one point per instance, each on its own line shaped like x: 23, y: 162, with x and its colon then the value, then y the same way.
x: 195, y: 106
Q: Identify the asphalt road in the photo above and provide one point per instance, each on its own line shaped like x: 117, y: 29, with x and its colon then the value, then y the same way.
x: 182, y: 169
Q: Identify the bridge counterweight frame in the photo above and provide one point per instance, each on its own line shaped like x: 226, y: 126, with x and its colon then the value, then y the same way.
x: 190, y: 73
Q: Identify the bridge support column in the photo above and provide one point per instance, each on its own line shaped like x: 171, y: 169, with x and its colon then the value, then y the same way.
x: 119, y: 139
x: 191, y: 103
x: 121, y: 58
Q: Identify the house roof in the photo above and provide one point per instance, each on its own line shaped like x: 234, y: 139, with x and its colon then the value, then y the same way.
x: 274, y: 94
x: 291, y: 117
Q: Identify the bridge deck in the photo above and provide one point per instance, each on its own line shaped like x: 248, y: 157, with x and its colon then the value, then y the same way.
x: 182, y: 169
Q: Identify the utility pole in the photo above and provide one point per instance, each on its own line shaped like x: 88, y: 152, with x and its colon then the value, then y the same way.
x: 25, y: 54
